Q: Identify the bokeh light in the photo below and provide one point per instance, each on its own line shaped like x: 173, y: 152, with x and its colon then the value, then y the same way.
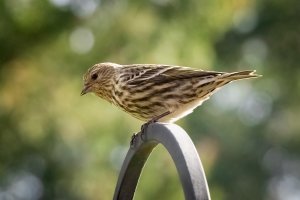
x: 55, y: 144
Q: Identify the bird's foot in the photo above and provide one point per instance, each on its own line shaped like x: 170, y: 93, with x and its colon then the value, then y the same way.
x: 144, y: 128
x: 153, y: 120
x: 133, y: 139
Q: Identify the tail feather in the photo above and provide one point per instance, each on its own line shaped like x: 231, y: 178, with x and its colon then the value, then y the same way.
x: 241, y: 75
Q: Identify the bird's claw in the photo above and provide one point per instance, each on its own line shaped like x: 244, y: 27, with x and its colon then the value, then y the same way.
x: 144, y: 128
x: 133, y: 139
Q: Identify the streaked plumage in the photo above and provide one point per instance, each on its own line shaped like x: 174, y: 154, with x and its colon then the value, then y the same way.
x: 147, y: 91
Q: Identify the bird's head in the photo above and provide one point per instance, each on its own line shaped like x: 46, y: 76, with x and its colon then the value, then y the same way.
x: 99, y: 78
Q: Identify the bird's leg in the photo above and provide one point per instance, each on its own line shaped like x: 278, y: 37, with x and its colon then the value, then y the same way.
x: 144, y: 127
x: 153, y: 120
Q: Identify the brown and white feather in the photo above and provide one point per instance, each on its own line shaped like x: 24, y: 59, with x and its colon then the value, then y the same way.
x: 148, y: 90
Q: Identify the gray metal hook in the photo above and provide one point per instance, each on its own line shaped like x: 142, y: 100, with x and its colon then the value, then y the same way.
x: 182, y: 151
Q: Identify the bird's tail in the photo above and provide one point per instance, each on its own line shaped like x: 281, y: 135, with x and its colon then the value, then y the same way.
x: 241, y: 75
x: 221, y: 80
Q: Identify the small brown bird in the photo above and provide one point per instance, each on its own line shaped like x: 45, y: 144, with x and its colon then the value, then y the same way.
x: 156, y: 92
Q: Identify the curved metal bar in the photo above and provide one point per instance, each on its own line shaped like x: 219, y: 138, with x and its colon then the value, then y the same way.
x: 183, y: 153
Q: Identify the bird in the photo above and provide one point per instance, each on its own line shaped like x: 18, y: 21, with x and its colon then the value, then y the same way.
x: 156, y: 92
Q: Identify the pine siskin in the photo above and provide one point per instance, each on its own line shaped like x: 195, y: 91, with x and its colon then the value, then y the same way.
x: 153, y: 92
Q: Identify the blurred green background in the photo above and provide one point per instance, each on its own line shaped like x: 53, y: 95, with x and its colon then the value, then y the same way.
x: 55, y: 144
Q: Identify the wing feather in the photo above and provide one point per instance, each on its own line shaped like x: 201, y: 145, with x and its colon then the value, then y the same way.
x: 138, y: 74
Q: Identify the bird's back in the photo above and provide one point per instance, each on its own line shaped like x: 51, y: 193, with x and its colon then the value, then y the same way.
x: 147, y: 91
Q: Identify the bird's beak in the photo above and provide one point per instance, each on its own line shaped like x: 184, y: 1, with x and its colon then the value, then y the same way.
x: 86, y: 89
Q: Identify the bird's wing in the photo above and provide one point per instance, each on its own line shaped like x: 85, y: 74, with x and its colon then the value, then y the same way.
x: 141, y: 74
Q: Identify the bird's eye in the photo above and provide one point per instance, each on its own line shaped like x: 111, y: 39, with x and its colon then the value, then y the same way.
x: 94, y: 76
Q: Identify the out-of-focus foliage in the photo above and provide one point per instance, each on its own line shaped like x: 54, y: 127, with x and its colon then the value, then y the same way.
x: 55, y: 144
